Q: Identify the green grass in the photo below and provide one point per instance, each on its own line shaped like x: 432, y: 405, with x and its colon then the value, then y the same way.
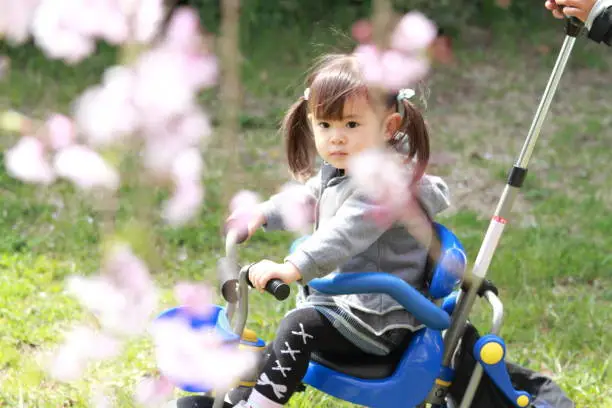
x: 554, y: 277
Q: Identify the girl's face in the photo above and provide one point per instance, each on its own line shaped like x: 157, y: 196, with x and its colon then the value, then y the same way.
x: 359, y: 129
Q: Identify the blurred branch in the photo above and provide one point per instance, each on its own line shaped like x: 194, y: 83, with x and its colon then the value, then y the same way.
x: 229, y: 93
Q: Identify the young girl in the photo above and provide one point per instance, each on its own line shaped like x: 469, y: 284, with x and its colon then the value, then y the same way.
x: 336, y: 120
x: 595, y: 14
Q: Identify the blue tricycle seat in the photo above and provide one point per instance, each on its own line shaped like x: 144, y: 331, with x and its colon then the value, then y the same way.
x: 402, y: 379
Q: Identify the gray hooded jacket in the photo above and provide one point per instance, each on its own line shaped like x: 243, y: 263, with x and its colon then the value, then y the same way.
x: 345, y: 240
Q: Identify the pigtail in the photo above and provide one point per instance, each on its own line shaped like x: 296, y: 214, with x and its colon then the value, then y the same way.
x: 414, y: 128
x: 299, y: 140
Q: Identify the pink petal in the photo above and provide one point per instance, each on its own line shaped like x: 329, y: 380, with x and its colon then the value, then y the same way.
x: 105, y: 113
x: 243, y: 209
x: 384, y: 179
x: 55, y: 37
x: 297, y: 207
x: 153, y: 391
x: 165, y: 141
x: 163, y: 88
x: 15, y: 19
x: 85, y: 168
x: 196, y: 297
x: 185, y: 355
x: 369, y: 60
x: 183, y: 30
x: 414, y: 32
x: 188, y: 166
x: 62, y: 131
x: 26, y: 161
x: 401, y: 70
x: 81, y: 346
x: 184, y: 204
x: 148, y: 19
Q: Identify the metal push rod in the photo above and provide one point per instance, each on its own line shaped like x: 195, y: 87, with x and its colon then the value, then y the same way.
x: 499, y: 220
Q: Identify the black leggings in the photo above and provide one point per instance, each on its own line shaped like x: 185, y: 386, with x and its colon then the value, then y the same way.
x: 300, y: 333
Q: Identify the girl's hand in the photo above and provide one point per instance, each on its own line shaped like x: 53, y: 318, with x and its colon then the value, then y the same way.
x: 572, y: 8
x: 263, y: 271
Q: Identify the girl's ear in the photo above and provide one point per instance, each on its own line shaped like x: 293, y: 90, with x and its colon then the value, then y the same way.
x: 392, y: 125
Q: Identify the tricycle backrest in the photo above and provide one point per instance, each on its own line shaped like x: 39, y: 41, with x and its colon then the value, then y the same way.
x: 448, y: 271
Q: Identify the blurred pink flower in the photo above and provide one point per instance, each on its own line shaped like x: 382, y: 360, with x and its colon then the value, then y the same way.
x: 243, y: 208
x: 163, y: 87
x: 100, y: 400
x: 123, y: 297
x: 187, y: 166
x: 188, y: 356
x: 105, y: 113
x: 54, y: 32
x: 184, y: 204
x: 383, y: 178
x: 85, y: 168
x: 148, y: 19
x: 390, y: 69
x: 15, y: 19
x: 152, y: 392
x: 196, y: 297
x: 166, y: 140
x: 406, y: 61
x: 61, y: 130
x: 414, y: 33
x: 82, y: 346
x: 297, y: 207
x: 27, y: 162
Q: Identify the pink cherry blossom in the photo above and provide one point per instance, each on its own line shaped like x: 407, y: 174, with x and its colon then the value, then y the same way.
x: 85, y: 168
x: 148, y: 19
x: 184, y: 204
x: 15, y: 19
x: 165, y: 141
x: 153, y: 391
x: 390, y: 69
x: 243, y: 208
x: 198, y: 356
x: 27, y: 162
x: 54, y: 33
x: 62, y: 132
x: 414, y: 33
x: 162, y: 89
x: 100, y: 400
x: 196, y: 297
x: 384, y: 178
x: 297, y: 207
x: 123, y: 297
x: 82, y: 346
x: 405, y: 62
x: 187, y: 166
x: 105, y: 113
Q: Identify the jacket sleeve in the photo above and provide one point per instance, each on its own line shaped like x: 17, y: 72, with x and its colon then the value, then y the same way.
x: 347, y: 234
x: 271, y: 209
x: 599, y: 22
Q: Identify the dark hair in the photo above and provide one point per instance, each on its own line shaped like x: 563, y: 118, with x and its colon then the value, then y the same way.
x: 333, y: 80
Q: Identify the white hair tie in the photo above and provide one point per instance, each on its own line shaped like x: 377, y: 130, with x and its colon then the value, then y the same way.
x: 306, y: 94
x: 403, y: 94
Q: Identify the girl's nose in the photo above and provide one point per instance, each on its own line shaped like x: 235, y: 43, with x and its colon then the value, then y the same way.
x: 338, y: 137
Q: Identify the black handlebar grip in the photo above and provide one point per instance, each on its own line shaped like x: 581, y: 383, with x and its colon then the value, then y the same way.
x: 276, y: 287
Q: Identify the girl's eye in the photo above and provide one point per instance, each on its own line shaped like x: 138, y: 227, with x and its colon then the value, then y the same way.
x: 324, y: 125
x: 352, y: 124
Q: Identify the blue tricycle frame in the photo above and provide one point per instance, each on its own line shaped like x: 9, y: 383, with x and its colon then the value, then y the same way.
x: 406, y: 379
